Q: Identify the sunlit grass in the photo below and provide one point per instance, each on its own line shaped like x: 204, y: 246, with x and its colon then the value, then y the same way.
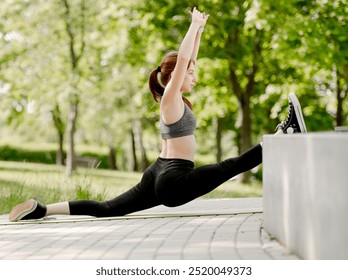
x: 49, y: 184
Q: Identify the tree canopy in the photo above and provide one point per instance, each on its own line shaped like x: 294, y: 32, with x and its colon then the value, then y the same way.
x: 90, y: 60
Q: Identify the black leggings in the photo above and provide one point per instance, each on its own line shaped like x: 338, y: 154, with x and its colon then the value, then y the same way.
x: 171, y: 182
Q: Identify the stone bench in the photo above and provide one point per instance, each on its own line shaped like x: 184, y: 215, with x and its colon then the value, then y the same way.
x: 305, y: 186
x: 87, y: 162
x: 341, y: 128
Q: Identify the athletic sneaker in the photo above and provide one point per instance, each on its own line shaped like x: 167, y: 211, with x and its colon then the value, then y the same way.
x: 294, y: 122
x: 29, y: 210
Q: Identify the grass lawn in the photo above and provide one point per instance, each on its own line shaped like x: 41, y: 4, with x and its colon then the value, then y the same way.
x: 48, y: 184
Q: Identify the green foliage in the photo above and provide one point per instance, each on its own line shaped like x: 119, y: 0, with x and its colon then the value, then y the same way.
x: 44, y: 155
x: 16, y: 154
x: 84, y: 192
x: 303, y: 48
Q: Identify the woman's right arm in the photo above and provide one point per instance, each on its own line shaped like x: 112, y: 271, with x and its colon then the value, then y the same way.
x: 172, y: 95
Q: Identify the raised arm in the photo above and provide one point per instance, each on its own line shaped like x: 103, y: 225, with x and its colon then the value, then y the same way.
x: 198, y: 40
x: 188, y: 51
x: 196, y: 45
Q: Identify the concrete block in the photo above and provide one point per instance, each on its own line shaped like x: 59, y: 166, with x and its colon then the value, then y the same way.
x: 305, y: 182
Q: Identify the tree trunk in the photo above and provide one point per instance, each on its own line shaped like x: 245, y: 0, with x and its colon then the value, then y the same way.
x: 60, y: 128
x: 245, y: 115
x: 245, y: 133
x: 60, y: 151
x: 218, y: 139
x: 339, y: 112
x: 244, y: 95
x: 144, y: 163
x: 112, y: 159
x: 71, y: 163
x: 133, y: 162
x: 75, y: 30
x: 341, y: 95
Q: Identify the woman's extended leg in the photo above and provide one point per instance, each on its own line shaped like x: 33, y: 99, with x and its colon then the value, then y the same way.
x: 176, y: 188
x: 140, y: 197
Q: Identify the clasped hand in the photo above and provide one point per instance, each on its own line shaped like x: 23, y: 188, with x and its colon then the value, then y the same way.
x: 199, y: 18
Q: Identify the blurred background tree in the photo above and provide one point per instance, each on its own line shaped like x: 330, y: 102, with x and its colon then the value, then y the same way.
x: 75, y: 72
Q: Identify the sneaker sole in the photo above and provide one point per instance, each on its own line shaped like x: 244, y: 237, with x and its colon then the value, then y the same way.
x: 298, y: 111
x: 21, y: 210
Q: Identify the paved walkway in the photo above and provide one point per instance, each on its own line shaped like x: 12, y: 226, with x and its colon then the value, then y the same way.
x: 202, y: 229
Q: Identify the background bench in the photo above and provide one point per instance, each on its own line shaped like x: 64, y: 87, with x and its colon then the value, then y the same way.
x: 87, y: 162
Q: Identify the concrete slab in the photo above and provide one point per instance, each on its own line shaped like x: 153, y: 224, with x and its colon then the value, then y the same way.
x: 305, y: 192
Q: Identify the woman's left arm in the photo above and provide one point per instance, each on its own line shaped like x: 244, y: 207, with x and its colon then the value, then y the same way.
x: 196, y: 47
x: 197, y: 42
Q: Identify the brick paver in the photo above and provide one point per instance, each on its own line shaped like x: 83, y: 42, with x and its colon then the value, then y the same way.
x: 202, y: 229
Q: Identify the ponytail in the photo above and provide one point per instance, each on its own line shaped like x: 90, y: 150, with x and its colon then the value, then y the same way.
x: 188, y: 103
x: 156, y: 88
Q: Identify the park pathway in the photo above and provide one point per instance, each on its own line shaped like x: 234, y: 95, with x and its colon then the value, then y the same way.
x: 209, y: 229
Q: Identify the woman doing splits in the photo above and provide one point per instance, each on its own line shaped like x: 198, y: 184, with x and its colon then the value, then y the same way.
x: 172, y: 179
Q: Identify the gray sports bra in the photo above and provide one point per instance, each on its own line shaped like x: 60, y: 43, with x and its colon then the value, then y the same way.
x: 183, y: 127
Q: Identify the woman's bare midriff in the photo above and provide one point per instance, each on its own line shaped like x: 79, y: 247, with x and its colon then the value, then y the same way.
x: 181, y: 147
